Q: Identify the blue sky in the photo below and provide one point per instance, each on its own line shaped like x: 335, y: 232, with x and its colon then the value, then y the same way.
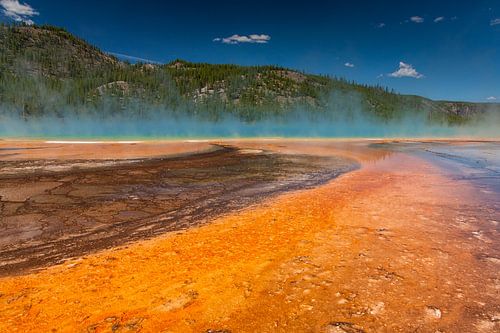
x: 438, y: 49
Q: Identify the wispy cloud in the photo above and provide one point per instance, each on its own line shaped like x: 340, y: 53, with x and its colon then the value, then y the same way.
x: 348, y: 64
x: 380, y: 25
x: 417, y: 19
x: 135, y: 59
x: 237, y: 39
x: 439, y: 19
x: 19, y: 12
x: 406, y: 70
x: 491, y: 98
x: 495, y: 22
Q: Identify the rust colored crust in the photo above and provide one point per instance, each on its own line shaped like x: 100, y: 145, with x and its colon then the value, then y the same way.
x: 388, y: 248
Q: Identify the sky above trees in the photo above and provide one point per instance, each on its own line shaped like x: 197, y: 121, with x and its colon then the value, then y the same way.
x: 438, y: 49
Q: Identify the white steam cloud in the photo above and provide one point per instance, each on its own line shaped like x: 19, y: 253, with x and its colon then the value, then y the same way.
x: 495, y: 22
x: 345, y: 116
x: 354, y: 123
x: 19, y: 12
x: 348, y: 64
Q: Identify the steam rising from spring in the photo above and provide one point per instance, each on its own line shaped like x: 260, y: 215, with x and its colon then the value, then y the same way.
x: 298, y: 125
x: 343, y: 117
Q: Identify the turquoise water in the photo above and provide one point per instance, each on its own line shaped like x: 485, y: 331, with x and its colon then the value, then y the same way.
x: 189, y: 129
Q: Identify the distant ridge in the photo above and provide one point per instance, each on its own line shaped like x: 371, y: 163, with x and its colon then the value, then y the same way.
x: 47, y: 70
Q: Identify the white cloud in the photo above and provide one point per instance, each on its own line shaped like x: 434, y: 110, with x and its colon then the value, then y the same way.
x: 439, y: 19
x: 417, y: 19
x: 236, y: 39
x: 495, y: 22
x: 381, y: 25
x: 348, y: 64
x: 261, y: 38
x: 406, y: 70
x: 491, y: 98
x: 19, y: 12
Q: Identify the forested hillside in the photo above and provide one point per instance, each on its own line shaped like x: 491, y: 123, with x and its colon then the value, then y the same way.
x: 46, y: 70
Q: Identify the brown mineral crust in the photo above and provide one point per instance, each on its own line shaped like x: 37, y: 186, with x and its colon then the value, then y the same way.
x: 57, y: 211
